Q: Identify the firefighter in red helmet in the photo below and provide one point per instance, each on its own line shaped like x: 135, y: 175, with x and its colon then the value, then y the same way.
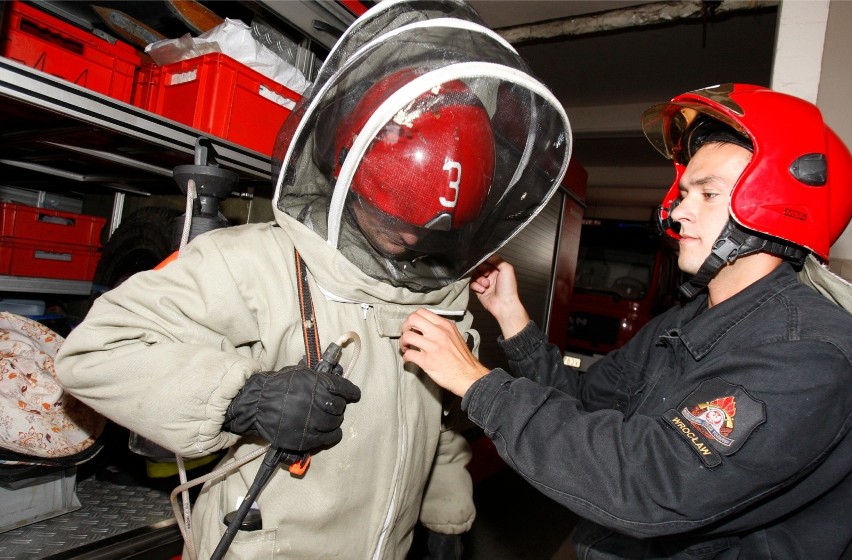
x: 722, y: 429
x: 791, y: 200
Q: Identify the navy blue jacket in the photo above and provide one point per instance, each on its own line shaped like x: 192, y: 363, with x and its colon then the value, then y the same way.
x: 714, y: 433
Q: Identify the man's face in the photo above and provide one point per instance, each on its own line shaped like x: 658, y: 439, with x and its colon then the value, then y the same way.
x: 705, y: 195
x: 391, y: 237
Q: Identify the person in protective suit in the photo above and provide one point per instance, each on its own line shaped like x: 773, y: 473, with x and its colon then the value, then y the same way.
x: 394, y: 179
x: 722, y: 429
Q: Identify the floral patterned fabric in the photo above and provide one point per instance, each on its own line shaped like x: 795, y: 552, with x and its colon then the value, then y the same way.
x: 37, y: 417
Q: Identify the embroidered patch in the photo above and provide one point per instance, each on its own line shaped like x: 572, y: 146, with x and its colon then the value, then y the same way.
x: 683, y: 428
x: 717, y: 418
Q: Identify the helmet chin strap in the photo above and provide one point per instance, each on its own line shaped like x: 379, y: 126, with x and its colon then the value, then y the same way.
x: 735, y: 242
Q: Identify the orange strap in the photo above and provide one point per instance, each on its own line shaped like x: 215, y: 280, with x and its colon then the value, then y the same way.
x: 167, y: 260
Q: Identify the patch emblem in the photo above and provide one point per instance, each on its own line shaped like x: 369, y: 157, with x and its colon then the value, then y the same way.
x: 714, y: 419
x: 717, y: 418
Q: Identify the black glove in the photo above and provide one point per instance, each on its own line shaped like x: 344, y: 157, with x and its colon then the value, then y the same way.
x: 296, y: 408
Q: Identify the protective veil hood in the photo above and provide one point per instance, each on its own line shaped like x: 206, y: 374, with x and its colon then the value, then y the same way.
x: 423, y: 145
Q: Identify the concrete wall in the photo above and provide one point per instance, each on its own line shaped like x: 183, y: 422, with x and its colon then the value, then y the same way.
x: 812, y: 53
x: 835, y: 89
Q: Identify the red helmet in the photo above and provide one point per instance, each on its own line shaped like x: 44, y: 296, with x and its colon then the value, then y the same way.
x: 430, y: 166
x: 796, y: 187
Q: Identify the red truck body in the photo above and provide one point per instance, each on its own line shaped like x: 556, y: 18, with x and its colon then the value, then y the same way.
x: 626, y: 274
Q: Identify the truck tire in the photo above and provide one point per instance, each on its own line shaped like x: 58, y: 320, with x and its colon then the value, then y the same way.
x: 141, y: 242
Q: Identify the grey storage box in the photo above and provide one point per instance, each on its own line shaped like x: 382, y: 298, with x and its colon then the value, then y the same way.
x: 36, y: 499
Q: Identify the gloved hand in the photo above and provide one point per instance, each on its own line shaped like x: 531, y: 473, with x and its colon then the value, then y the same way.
x: 296, y: 408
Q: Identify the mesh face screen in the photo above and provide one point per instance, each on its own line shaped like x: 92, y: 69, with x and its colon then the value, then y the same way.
x: 433, y: 120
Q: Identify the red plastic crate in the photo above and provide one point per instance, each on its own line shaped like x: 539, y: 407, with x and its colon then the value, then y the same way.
x: 47, y: 260
x: 40, y: 224
x: 216, y: 94
x: 144, y: 89
x: 44, y: 42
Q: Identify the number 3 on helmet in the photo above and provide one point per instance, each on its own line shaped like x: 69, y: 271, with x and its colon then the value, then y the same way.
x: 432, y: 164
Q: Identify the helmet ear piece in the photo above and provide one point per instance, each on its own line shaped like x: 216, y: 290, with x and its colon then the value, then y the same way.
x: 665, y: 224
x: 810, y: 169
x: 663, y: 214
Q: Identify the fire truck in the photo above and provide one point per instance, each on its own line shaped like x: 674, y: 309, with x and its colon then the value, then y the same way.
x: 626, y: 274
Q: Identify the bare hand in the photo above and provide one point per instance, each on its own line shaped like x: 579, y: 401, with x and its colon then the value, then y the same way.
x: 496, y: 288
x: 438, y: 348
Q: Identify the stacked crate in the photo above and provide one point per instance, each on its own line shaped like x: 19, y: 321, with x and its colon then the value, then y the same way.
x: 43, y: 243
x: 214, y: 93
x: 39, y: 40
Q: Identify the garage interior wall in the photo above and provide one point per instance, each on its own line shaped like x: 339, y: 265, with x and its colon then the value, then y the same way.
x: 531, y: 252
x: 835, y: 85
x: 812, y: 53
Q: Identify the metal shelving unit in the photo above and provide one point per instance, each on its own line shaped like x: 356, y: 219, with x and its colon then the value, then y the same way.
x: 57, y: 132
x: 113, y: 522
x: 45, y: 286
x: 72, y: 138
x: 131, y: 129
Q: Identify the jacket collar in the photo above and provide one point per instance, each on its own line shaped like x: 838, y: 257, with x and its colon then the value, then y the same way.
x: 700, y: 328
x: 340, y: 280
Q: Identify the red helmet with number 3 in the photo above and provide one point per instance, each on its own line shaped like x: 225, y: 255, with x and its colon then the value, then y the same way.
x: 432, y: 164
x: 796, y: 187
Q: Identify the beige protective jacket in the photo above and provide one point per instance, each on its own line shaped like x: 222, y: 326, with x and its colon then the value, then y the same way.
x: 164, y: 353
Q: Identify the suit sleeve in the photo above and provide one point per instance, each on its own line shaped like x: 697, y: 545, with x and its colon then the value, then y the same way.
x: 606, y: 383
x: 448, y: 500
x: 164, y: 353
x: 447, y: 505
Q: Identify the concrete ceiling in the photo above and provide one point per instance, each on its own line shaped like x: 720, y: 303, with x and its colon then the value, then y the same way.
x: 606, y: 79
x: 509, y: 13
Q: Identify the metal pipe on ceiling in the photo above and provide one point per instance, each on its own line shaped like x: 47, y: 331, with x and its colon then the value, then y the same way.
x: 627, y: 18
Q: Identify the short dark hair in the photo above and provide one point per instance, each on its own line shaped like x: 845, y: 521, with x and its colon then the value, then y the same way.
x: 711, y: 131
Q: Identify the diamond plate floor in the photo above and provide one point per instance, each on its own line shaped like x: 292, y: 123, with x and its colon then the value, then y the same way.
x: 514, y: 522
x: 108, y: 510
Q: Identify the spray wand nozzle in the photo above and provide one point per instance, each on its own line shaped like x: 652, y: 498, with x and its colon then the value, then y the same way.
x: 297, y: 463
